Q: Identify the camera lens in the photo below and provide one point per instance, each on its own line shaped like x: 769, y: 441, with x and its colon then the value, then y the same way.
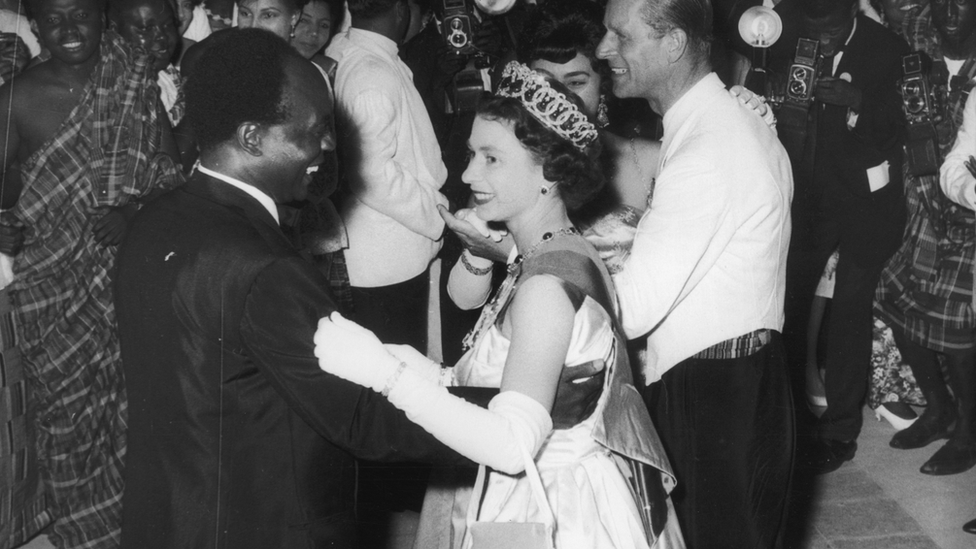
x: 798, y: 88
x: 914, y: 104
x: 458, y: 39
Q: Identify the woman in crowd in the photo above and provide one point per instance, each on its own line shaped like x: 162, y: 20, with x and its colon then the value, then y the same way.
x: 315, y: 30
x: 533, y: 157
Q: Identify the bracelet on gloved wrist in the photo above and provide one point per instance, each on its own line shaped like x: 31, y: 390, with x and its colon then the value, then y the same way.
x: 471, y: 268
x: 392, y: 380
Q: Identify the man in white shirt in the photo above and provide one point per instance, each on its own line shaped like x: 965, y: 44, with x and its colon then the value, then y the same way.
x: 705, y: 280
x: 393, y: 170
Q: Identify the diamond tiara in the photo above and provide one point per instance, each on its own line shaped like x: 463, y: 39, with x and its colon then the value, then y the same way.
x: 547, y: 105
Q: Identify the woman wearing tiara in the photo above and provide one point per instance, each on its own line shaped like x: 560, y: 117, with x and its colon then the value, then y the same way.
x: 567, y: 407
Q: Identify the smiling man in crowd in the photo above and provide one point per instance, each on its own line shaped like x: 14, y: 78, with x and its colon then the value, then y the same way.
x: 82, y: 147
x: 705, y: 279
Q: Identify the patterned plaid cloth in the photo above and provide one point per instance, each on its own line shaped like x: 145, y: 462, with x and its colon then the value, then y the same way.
x: 23, y: 508
x: 106, y: 153
x: 927, y: 286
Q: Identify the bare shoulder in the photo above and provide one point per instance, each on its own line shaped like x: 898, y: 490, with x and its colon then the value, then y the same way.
x: 36, y: 103
x: 542, y: 299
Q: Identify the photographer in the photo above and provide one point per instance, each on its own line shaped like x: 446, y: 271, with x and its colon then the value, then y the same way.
x: 848, y: 195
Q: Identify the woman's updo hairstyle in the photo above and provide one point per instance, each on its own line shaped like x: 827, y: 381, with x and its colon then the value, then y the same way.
x: 559, y: 31
x: 577, y: 171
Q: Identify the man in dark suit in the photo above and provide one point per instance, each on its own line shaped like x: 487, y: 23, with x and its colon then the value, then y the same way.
x: 848, y: 197
x: 236, y: 438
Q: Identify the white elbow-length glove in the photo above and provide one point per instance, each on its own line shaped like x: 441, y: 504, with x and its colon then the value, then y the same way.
x: 490, y: 437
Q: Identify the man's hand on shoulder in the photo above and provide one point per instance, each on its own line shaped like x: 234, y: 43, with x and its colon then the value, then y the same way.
x: 110, y: 228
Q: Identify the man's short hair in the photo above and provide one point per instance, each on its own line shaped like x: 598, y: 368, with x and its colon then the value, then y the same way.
x: 694, y: 17
x: 821, y: 9
x: 369, y: 9
x: 240, y: 77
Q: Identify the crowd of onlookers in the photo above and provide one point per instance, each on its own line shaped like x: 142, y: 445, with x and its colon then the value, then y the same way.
x: 766, y: 295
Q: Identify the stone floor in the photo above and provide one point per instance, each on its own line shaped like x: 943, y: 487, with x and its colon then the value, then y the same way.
x: 877, y: 501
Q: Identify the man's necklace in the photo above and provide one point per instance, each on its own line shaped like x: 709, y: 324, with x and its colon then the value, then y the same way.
x: 491, y: 311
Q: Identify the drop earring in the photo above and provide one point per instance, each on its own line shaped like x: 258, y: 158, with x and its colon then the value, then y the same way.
x: 602, y: 119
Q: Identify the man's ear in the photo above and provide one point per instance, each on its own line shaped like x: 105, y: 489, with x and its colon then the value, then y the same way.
x: 677, y: 44
x: 402, y: 10
x: 249, y: 138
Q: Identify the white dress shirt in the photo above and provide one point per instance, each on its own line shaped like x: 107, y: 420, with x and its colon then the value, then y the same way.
x: 709, y: 260
x: 266, y: 202
x: 393, y: 162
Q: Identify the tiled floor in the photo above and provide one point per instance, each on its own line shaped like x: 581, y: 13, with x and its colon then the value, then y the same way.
x: 877, y: 501
x: 880, y: 500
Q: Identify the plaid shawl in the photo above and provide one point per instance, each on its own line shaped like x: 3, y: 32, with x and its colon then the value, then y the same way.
x: 106, y: 153
x: 926, y: 287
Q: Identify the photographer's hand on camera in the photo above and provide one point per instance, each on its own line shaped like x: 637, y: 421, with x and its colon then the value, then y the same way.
x: 835, y: 91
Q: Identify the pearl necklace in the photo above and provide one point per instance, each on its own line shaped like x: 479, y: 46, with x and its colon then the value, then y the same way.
x: 494, y: 307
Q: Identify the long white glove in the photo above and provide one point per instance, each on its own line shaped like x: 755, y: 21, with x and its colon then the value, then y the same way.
x: 490, y: 437
x: 420, y: 363
x: 347, y: 350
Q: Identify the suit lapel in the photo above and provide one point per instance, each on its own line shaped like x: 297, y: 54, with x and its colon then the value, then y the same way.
x: 235, y: 199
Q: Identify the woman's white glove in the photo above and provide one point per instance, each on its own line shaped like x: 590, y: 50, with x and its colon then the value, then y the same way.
x: 347, y: 350
x: 471, y: 216
x: 490, y: 437
x: 418, y: 362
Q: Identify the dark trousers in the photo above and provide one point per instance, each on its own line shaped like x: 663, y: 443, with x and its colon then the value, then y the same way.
x: 866, y: 231
x: 727, y: 426
x: 396, y: 314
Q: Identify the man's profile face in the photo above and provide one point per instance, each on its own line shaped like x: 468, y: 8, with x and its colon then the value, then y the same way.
x: 637, y: 56
x: 954, y: 19
x: 150, y: 24
x: 292, y: 147
x: 70, y: 29
x: 831, y: 31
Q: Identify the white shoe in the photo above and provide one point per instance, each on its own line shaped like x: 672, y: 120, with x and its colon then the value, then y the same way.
x: 899, y: 423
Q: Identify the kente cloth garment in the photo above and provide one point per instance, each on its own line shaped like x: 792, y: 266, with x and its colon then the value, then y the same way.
x: 23, y: 508
x: 106, y: 153
x: 926, y: 287
x: 589, y: 496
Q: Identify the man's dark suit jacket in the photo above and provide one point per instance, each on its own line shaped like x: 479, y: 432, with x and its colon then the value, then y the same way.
x: 834, y: 183
x: 236, y: 438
